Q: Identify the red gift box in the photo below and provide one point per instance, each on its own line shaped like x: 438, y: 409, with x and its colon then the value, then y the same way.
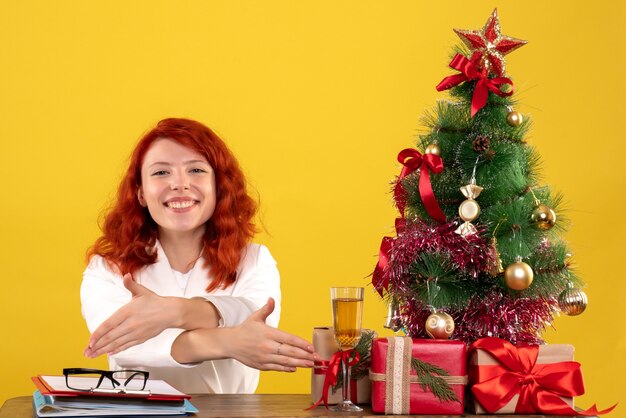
x: 395, y: 386
x: 526, y: 379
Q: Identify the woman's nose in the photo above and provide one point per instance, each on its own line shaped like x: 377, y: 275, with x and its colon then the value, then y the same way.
x: 180, y: 182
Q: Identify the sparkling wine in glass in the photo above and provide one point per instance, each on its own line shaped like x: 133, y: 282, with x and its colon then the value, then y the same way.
x: 347, y: 314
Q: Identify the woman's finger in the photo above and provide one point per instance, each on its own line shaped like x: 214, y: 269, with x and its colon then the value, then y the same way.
x: 304, y: 358
x: 277, y: 367
x: 135, y: 288
x: 291, y: 362
x: 126, y: 346
x: 117, y: 337
x: 105, y: 349
x: 107, y: 326
x: 115, y: 334
x: 294, y: 340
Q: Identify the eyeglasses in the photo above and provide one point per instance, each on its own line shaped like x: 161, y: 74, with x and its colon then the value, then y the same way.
x: 114, y: 381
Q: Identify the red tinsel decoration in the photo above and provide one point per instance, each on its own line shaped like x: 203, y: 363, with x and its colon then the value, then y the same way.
x: 498, y: 315
x: 470, y: 255
x: 489, y: 315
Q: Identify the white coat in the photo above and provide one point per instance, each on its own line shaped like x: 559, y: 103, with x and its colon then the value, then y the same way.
x: 103, y: 292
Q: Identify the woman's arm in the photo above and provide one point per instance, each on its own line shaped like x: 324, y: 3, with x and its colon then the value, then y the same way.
x: 103, y: 294
x: 146, y: 316
x: 137, y: 325
x: 253, y: 343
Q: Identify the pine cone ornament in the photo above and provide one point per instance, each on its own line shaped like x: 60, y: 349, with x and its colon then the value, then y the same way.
x: 481, y: 144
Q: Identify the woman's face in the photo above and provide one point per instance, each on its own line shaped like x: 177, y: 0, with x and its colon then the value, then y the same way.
x: 178, y: 188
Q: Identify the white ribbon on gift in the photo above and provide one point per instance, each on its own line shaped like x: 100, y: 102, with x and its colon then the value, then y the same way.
x: 398, y: 380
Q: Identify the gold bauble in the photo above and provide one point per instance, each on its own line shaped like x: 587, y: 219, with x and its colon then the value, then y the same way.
x: 572, y: 301
x: 433, y: 149
x: 543, y: 217
x: 518, y: 275
x: 439, y: 325
x: 514, y: 118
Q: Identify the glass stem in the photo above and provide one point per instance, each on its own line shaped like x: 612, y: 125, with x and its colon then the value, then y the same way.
x: 345, y: 390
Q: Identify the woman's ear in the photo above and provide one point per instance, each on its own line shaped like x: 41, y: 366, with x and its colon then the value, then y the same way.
x: 142, y: 200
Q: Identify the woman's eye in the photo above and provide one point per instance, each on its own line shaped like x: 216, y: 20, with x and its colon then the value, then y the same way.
x: 197, y: 170
x: 160, y: 173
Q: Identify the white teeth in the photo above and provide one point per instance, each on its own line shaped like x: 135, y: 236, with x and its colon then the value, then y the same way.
x: 180, y: 205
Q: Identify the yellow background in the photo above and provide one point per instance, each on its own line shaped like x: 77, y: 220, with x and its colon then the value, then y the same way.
x: 315, y: 98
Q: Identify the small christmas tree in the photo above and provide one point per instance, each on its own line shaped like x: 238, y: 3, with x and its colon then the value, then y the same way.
x: 477, y: 250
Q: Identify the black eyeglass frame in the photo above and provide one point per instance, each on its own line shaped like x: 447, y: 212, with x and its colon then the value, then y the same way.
x: 109, y: 375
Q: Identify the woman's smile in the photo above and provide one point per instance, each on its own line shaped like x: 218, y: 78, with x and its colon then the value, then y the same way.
x: 181, y: 204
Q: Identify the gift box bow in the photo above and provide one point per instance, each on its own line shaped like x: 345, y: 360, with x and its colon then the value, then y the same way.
x: 330, y: 375
x: 539, y: 386
x: 331, y: 370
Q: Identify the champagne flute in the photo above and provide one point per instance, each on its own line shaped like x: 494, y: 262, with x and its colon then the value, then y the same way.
x: 347, y: 312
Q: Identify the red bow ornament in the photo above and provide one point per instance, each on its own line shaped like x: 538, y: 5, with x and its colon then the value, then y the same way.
x: 380, y: 279
x: 540, y: 387
x: 469, y: 71
x: 332, y: 371
x: 412, y: 160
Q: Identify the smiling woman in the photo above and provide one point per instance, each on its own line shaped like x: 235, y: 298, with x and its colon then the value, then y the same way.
x: 174, y: 285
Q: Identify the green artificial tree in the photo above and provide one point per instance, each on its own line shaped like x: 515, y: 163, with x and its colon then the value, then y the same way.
x: 478, y: 249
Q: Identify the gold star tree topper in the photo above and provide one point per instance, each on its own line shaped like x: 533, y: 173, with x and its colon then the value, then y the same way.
x: 489, y: 46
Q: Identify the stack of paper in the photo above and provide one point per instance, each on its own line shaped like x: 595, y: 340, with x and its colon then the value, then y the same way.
x: 54, y: 399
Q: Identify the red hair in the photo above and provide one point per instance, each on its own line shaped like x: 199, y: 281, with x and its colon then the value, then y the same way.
x: 129, y: 232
